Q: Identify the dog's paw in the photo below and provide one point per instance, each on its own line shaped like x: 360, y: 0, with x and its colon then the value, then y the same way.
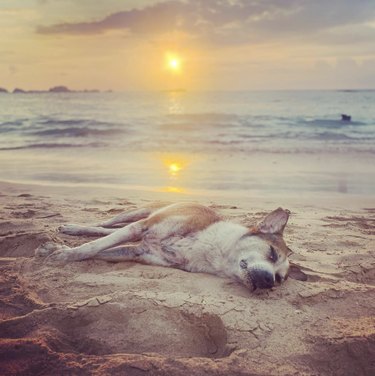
x: 49, y: 248
x: 70, y: 229
x: 62, y: 255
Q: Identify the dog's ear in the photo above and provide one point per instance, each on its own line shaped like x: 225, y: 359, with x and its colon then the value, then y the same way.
x: 273, y: 223
x: 295, y: 272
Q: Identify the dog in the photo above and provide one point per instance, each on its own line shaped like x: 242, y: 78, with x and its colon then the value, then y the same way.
x: 190, y: 237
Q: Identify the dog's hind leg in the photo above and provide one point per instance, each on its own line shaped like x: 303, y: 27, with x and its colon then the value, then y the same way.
x: 85, y: 230
x: 127, y: 217
x: 106, y: 228
x: 129, y: 233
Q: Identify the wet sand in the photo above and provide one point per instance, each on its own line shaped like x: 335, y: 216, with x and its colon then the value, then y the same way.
x: 99, y: 318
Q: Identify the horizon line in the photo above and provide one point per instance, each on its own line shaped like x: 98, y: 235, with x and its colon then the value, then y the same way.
x: 4, y: 90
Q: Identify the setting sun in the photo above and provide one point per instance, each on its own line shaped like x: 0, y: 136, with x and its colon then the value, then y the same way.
x: 173, y: 62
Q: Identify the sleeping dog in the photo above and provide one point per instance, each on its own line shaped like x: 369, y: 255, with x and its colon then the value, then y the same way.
x: 190, y: 237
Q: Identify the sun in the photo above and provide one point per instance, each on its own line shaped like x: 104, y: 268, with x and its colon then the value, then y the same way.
x: 173, y: 63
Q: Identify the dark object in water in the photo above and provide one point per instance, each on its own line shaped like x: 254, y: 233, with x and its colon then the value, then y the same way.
x: 346, y: 117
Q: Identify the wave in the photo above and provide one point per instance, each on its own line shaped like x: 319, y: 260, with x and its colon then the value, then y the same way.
x: 204, y: 117
x: 12, y: 123
x: 331, y: 136
x: 329, y: 123
x: 59, y: 122
x: 77, y: 132
x: 10, y: 126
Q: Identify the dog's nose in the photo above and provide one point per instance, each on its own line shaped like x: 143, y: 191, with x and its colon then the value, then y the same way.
x: 263, y: 279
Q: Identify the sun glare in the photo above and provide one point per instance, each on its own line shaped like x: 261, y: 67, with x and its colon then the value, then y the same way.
x: 173, y: 63
x: 175, y: 172
x: 174, y: 168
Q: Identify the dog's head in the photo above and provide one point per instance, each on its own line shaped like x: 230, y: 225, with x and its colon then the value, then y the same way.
x: 263, y: 254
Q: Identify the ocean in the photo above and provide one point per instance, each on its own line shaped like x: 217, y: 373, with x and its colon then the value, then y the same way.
x: 263, y: 142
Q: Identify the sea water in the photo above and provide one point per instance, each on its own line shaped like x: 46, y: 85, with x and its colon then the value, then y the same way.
x: 185, y: 142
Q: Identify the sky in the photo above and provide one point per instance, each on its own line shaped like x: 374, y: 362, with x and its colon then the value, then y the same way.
x: 219, y: 44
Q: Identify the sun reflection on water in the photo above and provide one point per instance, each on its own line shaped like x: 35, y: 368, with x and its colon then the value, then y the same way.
x: 175, y: 102
x: 174, y: 190
x: 175, y: 165
x: 176, y: 170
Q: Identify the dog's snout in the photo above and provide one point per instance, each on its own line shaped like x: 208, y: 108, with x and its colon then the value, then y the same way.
x: 263, y: 279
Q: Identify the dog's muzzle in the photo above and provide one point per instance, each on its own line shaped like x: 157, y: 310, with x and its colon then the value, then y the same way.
x: 262, y: 279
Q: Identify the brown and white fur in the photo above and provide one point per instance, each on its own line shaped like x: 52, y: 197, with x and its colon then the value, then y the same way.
x: 191, y: 237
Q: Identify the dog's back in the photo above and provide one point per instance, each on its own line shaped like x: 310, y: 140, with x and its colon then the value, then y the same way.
x: 189, y: 217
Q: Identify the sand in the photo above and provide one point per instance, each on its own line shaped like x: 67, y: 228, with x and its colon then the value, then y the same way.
x: 99, y: 318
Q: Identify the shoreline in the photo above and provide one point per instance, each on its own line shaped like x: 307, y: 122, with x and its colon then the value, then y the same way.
x: 246, y: 200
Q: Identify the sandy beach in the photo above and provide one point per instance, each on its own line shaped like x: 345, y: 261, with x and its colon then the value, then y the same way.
x: 99, y: 318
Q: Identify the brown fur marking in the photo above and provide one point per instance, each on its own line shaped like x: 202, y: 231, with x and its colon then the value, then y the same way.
x: 198, y: 217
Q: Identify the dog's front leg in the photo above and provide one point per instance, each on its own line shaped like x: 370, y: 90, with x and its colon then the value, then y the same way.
x: 131, y: 253
x: 130, y: 233
x: 127, y: 252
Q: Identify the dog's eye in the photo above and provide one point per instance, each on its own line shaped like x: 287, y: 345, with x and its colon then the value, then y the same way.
x: 243, y: 264
x: 273, y: 256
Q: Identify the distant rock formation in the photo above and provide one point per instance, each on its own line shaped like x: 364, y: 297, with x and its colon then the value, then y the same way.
x: 59, y: 89
x: 54, y: 89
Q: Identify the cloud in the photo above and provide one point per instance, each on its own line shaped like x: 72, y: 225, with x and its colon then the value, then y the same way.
x: 229, y: 21
x: 159, y: 18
